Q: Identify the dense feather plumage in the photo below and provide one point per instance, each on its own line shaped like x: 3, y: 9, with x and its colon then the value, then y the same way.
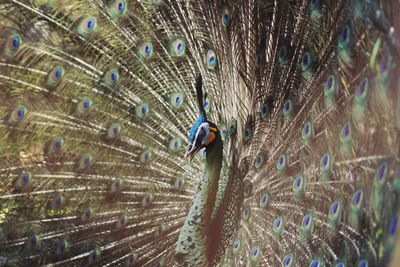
x: 97, y: 98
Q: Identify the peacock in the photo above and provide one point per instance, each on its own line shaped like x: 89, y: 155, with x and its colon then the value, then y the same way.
x: 199, y: 133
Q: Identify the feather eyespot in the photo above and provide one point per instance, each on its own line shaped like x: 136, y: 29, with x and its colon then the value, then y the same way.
x: 145, y: 50
x: 211, y: 59
x: 288, y: 260
x: 87, y: 26
x: 85, y: 161
x: 264, y: 200
x: 358, y: 199
x: 12, y: 45
x: 142, y: 110
x: 226, y: 16
x: 281, y: 162
x: 23, y: 180
x: 18, y: 114
x: 177, y: 47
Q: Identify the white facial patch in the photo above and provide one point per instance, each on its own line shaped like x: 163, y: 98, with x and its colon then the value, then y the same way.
x: 204, y: 127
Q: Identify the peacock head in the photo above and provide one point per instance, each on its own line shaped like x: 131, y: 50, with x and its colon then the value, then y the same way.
x: 203, y: 133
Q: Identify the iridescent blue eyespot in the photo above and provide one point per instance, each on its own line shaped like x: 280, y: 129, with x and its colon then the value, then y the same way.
x: 58, y: 202
x: 18, y: 114
x: 15, y: 42
x: 345, y: 36
x: 11, y: 46
x: 175, y: 144
x: 281, y: 162
x: 211, y: 59
x: 236, y: 246
x: 287, y: 260
x: 264, y: 200
x: 121, y: 7
x: 259, y: 161
x: 363, y: 263
x: 340, y: 264
x: 23, y: 180
x: 255, y: 253
x: 357, y: 200
x: 145, y: 50
x: 298, y: 186
x: 307, y: 61
x: 33, y: 241
x: 393, y: 226
x: 287, y: 107
x: 381, y: 172
x: 225, y: 16
x: 316, y: 263
x: 246, y: 214
x: 142, y: 110
x: 278, y: 226
x: 85, y: 161
x: 334, y: 208
x: 247, y: 134
x: 146, y: 156
x: 307, y: 220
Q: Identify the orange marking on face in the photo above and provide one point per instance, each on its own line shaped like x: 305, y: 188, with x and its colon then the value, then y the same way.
x: 210, y: 139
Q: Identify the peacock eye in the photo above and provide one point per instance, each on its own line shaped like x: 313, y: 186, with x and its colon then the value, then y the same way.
x: 381, y: 173
x: 393, y: 226
x: 264, y: 200
x: 23, y: 180
x: 18, y: 114
x: 56, y: 145
x: 87, y: 26
x: 288, y: 260
x: 114, y: 131
x: 175, y: 144
x: 363, y: 263
x: 307, y: 61
x: 255, y: 253
x: 316, y: 263
x: 111, y: 77
x: 362, y: 90
x: 211, y: 59
x: 287, y: 107
x: 307, y: 220
x: 145, y: 50
x: 12, y: 45
x: 85, y: 161
x: 281, y: 162
x: 146, y: 156
x: 83, y: 107
x: 177, y: 47
x: 117, y: 8
x: 358, y: 198
x: 345, y: 35
x: 335, y: 208
x: 54, y: 76
x: 226, y: 15
x: 282, y: 54
x: 236, y: 246
x: 142, y: 110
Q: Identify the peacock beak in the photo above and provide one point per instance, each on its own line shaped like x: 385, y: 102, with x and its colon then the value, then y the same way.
x: 191, y: 151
